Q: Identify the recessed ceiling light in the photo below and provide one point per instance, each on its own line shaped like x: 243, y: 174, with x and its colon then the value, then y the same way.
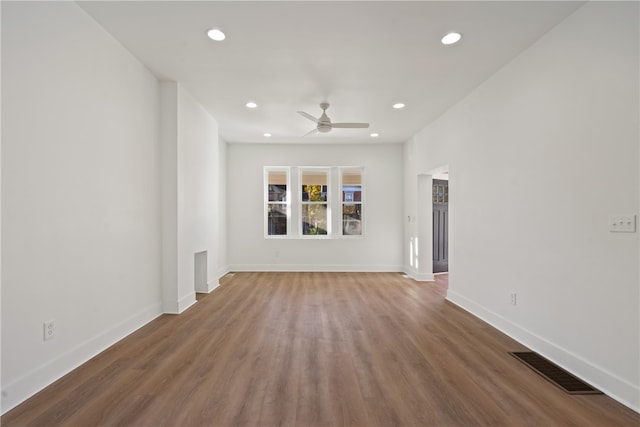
x: 398, y: 105
x: 451, y: 38
x: 267, y: 135
x: 216, y: 34
x: 251, y: 104
x: 375, y: 135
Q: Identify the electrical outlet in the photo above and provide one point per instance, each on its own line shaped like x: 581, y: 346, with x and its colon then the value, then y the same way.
x: 49, y: 330
x: 514, y: 298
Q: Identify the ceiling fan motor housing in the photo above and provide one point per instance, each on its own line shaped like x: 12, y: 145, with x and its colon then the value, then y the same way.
x: 324, y: 122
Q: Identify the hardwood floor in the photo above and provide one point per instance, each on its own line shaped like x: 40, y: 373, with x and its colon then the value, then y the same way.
x: 314, y: 349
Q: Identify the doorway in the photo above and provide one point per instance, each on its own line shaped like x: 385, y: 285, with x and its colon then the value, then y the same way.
x: 440, y: 232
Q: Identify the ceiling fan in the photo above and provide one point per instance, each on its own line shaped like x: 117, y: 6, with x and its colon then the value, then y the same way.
x: 324, y: 122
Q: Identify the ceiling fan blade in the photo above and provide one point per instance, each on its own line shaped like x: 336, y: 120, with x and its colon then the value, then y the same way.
x: 349, y: 125
x: 310, y: 132
x: 308, y: 116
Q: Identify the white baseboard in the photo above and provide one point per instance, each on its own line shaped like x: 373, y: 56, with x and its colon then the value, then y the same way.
x: 186, y: 302
x: 615, y: 387
x: 421, y: 277
x: 414, y: 274
x: 319, y: 268
x: 29, y: 384
x: 177, y: 307
x: 211, y: 287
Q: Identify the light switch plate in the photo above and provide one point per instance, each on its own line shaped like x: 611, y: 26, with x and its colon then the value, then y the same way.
x: 622, y: 223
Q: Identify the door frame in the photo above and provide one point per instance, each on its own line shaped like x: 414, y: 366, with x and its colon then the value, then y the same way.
x: 424, y: 231
x: 423, y: 244
x: 442, y: 208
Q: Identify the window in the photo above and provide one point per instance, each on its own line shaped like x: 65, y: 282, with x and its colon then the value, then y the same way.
x: 277, y: 201
x: 327, y: 201
x: 440, y: 192
x: 314, y: 212
x: 351, y: 181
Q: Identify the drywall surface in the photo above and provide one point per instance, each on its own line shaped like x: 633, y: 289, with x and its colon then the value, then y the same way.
x: 198, y: 194
x: 80, y: 193
x: 539, y: 156
x: 192, y: 210
x: 222, y: 262
x: 169, y: 197
x: 379, y: 250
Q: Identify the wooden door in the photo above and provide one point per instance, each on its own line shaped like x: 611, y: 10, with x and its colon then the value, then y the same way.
x: 440, y: 196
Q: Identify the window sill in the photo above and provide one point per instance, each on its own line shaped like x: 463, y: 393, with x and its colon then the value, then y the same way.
x: 312, y: 237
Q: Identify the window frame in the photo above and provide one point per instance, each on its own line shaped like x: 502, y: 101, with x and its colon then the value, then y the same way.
x: 267, y: 202
x: 362, y: 202
x: 301, y: 203
x: 294, y: 203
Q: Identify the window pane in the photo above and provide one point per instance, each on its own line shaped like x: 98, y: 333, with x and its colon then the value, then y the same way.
x: 278, y: 177
x: 352, y: 185
x: 351, y: 193
x: 352, y: 202
x: 352, y: 219
x: 277, y: 219
x: 277, y: 186
x: 352, y: 177
x: 314, y: 219
x: 314, y: 193
x: 314, y: 177
x: 314, y: 186
x: 277, y: 208
x: 277, y: 193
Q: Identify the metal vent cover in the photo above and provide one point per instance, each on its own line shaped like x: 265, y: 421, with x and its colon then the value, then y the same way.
x: 554, y: 374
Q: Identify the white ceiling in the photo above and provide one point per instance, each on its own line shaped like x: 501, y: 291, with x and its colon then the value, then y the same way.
x: 359, y: 56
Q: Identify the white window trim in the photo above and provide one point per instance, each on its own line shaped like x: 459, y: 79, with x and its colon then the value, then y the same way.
x: 362, y: 201
x: 300, y: 203
x: 266, y: 203
x: 294, y: 202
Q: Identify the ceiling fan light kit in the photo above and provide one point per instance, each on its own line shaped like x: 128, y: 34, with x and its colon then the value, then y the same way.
x: 324, y: 122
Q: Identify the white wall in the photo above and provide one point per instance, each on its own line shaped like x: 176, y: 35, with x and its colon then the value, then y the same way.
x: 1, y: 115
x: 105, y: 205
x: 80, y: 193
x: 171, y: 295
x: 223, y: 263
x: 198, y: 193
x: 192, y: 211
x: 379, y: 250
x: 539, y: 156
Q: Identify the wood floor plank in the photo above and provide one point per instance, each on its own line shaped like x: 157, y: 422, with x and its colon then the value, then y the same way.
x: 314, y: 349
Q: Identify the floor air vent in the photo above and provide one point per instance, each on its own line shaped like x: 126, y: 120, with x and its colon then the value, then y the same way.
x: 554, y: 373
